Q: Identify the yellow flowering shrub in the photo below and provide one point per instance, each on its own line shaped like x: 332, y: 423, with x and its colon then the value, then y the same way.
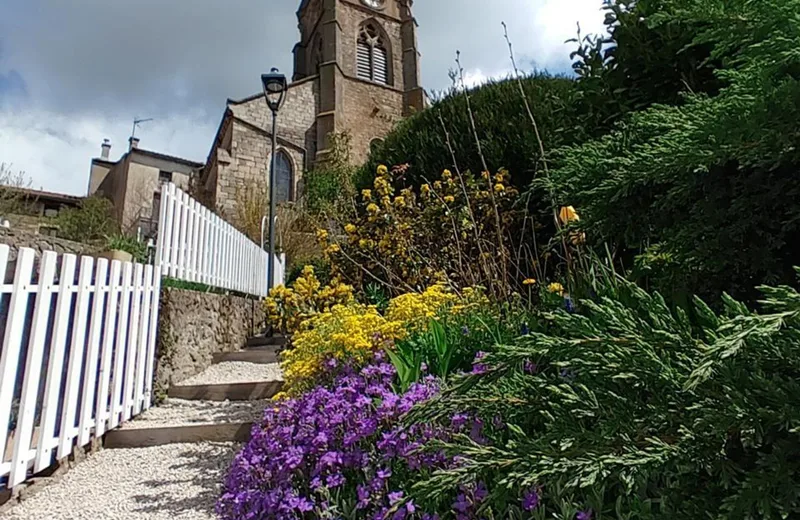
x: 416, y: 309
x: 287, y: 308
x: 354, y: 332
x: 343, y: 333
x: 458, y: 227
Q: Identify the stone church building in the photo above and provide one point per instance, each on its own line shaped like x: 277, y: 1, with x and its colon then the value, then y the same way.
x: 356, y: 70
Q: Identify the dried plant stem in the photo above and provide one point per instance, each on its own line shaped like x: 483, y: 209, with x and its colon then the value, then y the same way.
x: 385, y: 269
x: 449, y: 144
x: 540, y: 142
x: 498, y: 227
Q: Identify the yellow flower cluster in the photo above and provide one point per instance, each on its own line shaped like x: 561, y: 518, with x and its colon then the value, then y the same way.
x: 345, y: 333
x: 354, y: 332
x: 415, y: 309
x: 410, y: 235
x: 287, y: 308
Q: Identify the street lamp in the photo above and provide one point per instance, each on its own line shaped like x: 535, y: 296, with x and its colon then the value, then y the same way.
x: 275, y: 94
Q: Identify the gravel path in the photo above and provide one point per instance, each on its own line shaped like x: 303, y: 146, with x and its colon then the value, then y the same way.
x: 180, y: 412
x: 235, y: 372
x: 172, y: 482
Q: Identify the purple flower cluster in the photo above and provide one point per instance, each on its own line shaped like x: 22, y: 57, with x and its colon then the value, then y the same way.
x: 332, y: 450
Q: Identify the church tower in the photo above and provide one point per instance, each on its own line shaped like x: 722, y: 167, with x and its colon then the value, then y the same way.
x: 356, y: 70
x: 365, y: 55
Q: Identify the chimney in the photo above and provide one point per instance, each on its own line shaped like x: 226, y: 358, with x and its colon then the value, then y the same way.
x: 105, y: 149
x: 134, y: 141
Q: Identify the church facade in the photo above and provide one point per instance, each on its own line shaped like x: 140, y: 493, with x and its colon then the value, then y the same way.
x: 356, y: 70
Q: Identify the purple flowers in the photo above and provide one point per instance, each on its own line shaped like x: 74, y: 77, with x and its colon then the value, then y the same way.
x: 530, y: 500
x: 477, y: 366
x: 346, y: 439
x: 584, y: 515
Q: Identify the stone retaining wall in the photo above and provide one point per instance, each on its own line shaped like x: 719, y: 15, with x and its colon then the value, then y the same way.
x: 16, y: 238
x: 193, y: 326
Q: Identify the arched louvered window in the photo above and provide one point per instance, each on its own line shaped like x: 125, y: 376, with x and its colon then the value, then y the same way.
x: 372, y: 55
x: 284, y: 177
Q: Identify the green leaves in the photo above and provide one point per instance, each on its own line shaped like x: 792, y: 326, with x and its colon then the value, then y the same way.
x: 408, y: 363
x: 700, y: 189
x: 638, y: 411
x: 430, y: 347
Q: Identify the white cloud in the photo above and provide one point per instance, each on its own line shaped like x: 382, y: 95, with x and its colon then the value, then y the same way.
x: 55, y: 150
x: 178, y: 65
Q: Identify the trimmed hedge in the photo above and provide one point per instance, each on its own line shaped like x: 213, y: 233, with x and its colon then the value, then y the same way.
x: 505, y: 131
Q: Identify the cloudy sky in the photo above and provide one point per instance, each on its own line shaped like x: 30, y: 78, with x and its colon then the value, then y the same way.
x: 74, y: 72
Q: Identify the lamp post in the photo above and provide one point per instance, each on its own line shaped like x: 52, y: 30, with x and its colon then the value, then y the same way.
x: 275, y: 94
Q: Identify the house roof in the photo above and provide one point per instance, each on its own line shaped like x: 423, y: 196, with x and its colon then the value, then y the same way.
x: 156, y: 155
x: 52, y: 196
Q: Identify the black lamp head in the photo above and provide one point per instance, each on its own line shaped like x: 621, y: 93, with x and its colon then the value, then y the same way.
x: 274, y: 89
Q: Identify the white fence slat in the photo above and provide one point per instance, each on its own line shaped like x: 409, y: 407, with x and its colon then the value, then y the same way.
x: 54, y: 370
x: 109, y: 333
x: 120, y: 345
x: 202, y: 252
x: 133, y: 342
x: 164, y: 231
x: 155, y: 298
x: 173, y: 218
x: 70, y: 403
x: 182, y: 235
x: 33, y: 369
x: 12, y: 341
x: 189, y: 274
x: 92, y: 356
x: 144, y: 336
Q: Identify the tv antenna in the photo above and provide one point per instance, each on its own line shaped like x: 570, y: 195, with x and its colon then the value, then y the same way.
x: 136, y: 123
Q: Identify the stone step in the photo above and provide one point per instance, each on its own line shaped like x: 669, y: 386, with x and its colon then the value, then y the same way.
x: 147, y: 437
x: 227, y: 391
x: 258, y: 355
x: 263, y: 340
x: 186, y: 421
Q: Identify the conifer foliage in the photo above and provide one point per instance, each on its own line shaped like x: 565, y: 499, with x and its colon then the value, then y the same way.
x: 631, y: 410
x: 705, y: 192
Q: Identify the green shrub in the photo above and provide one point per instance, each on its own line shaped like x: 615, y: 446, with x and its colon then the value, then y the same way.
x: 507, y: 136
x: 705, y: 194
x: 132, y: 245
x: 328, y: 187
x: 632, y: 410
x: 92, y: 220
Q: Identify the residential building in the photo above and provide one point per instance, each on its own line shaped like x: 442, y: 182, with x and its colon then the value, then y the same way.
x: 356, y: 70
x: 133, y: 184
x: 34, y: 211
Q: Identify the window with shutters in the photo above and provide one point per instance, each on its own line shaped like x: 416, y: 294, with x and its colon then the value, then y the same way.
x: 284, y: 176
x: 372, y: 56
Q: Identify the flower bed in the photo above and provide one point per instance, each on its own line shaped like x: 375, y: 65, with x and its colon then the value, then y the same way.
x: 337, y: 452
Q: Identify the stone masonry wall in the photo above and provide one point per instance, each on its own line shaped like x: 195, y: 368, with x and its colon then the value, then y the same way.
x: 16, y: 239
x: 371, y: 111
x: 249, y: 165
x: 297, y: 115
x: 250, y: 148
x: 193, y: 326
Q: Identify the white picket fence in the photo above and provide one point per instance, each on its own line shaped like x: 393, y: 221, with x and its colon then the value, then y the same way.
x: 77, y: 354
x: 196, y: 245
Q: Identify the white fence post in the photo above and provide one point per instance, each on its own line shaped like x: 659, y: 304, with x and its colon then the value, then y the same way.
x: 103, y: 401
x: 54, y: 370
x: 30, y: 386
